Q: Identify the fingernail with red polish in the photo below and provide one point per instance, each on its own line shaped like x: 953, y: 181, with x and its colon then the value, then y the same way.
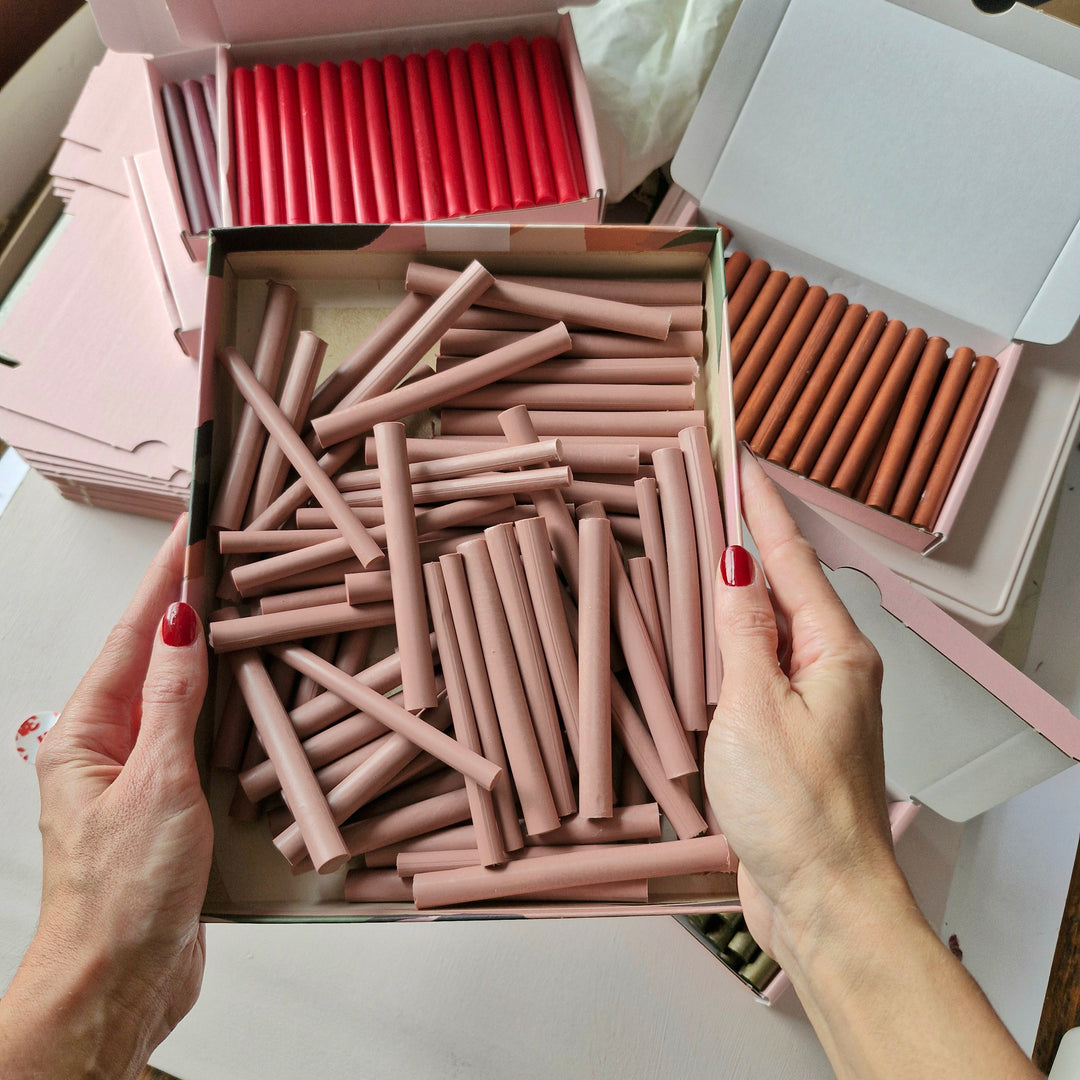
x: 736, y: 566
x: 180, y: 626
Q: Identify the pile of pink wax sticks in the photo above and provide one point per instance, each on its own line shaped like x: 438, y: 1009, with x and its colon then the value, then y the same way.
x: 544, y: 699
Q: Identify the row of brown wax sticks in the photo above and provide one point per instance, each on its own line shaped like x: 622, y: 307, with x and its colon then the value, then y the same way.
x: 850, y: 398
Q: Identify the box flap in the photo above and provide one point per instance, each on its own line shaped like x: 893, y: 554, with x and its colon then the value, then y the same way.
x: 931, y: 150
x: 161, y: 27
x: 964, y: 730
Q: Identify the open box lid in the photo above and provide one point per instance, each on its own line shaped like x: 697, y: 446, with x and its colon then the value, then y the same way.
x: 162, y: 27
x: 919, y: 155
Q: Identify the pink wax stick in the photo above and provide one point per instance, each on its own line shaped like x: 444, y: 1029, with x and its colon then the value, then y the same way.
x: 519, y: 735
x: 532, y: 667
x: 432, y: 197
x: 684, y: 580
x: 378, y: 137
x: 468, y: 134
x: 583, y: 343
x: 376, y: 887
x: 442, y: 107
x: 255, y: 577
x: 331, y: 94
x: 259, y: 543
x: 404, y: 401
x: 315, y: 821
x: 324, y: 646
x: 331, y: 775
x: 292, y: 145
x: 491, y: 849
x: 622, y: 458
x: 665, y: 292
x: 301, y: 598
x: 532, y: 120
x: 598, y: 865
x: 667, y: 370
x: 353, y: 650
x: 484, y: 318
x: 246, y: 148
x: 490, y: 128
x: 423, y: 779
x: 208, y: 84
x: 456, y: 836
x: 232, y: 731
x: 370, y: 586
x: 312, y: 128
x: 641, y: 580
x: 235, y: 489
x: 468, y: 487
x: 548, y: 67
x: 295, y: 397
x: 626, y: 528
x: 185, y: 158
x: 402, y: 145
x: 423, y: 817
x: 564, y: 423
x: 255, y: 630
x: 510, y: 119
x: 205, y: 143
x: 270, y: 161
x: 410, y: 605
x: 437, y: 744
x: 594, y: 669
x: 709, y: 531
x: 652, y: 535
x: 616, y: 498
x: 577, y: 396
x: 322, y: 487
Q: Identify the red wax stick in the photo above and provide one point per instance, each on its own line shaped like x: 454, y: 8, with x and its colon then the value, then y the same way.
x: 432, y: 198
x: 566, y: 107
x: 270, y: 165
x: 472, y: 156
x: 378, y: 136
x: 342, y: 207
x: 442, y: 107
x: 558, y: 140
x: 402, y: 147
x: 506, y: 95
x: 246, y: 148
x: 491, y: 138
x: 292, y: 145
x: 311, y: 125
x: 358, y: 150
x: 532, y: 122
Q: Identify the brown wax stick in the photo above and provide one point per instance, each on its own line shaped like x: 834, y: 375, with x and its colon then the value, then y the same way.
x: 232, y: 731
x: 594, y: 669
x: 768, y: 341
x: 955, y: 443
x: 232, y: 497
x: 479, y: 688
x: 623, y: 458
x: 684, y: 582
x: 519, y: 735
x: 942, y: 409
x: 806, y: 326
x: 746, y: 292
x: 651, y: 322
x: 422, y: 817
x: 484, y: 485
x: 652, y: 536
x: 322, y: 487
x: 315, y: 820
x: 630, y: 425
x: 406, y: 577
x: 547, y: 600
x: 626, y: 528
x: 896, y: 339
x: 599, y: 865
x: 658, y: 292
x: 872, y: 466
x: 294, y: 402
x: 641, y: 579
x: 256, y: 630
x: 684, y: 317
x: 576, y: 396
x: 908, y: 421
x: 528, y: 649
x: 887, y: 398
x: 584, y: 344
x: 823, y: 351
x: 605, y: 370
x: 446, y: 749
x: 645, y: 672
x: 466, y: 464
x: 616, y: 498
x: 361, y: 417
x: 481, y: 803
x: 754, y: 321
x: 735, y: 265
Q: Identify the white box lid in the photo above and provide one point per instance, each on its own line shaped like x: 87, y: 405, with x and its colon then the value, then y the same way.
x: 163, y: 27
x: 920, y: 146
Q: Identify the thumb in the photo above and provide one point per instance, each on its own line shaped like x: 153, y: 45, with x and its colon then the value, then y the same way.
x: 746, y: 629
x: 175, y: 683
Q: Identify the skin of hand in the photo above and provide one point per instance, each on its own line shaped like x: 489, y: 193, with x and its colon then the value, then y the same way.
x: 794, y: 769
x: 117, y: 958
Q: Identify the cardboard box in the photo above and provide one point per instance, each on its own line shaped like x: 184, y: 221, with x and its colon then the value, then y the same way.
x: 918, y: 157
x: 189, y: 41
x: 963, y: 729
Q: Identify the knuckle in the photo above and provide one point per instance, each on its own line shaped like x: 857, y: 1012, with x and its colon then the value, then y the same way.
x: 751, y: 622
x: 170, y: 687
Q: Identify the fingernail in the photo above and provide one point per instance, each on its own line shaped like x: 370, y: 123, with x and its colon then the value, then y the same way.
x: 736, y: 566
x: 180, y: 626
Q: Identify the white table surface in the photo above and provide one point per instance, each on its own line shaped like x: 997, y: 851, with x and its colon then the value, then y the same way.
x: 627, y: 998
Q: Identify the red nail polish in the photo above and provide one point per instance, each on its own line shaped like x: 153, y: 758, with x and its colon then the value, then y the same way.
x: 736, y: 566
x: 180, y: 626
